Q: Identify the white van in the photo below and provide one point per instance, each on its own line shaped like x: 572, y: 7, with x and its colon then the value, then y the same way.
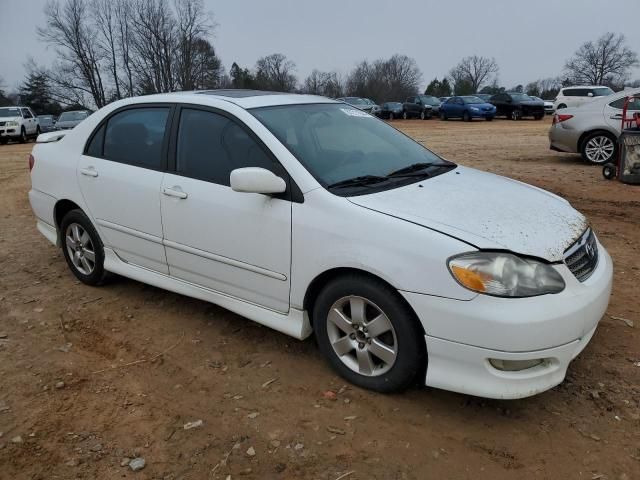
x: 576, y: 96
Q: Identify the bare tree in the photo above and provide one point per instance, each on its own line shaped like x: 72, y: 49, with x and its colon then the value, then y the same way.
x: 275, y: 72
x: 68, y: 30
x: 193, y: 25
x: 105, y: 20
x: 328, y: 84
x: 391, y: 79
x: 606, y: 61
x: 474, y: 71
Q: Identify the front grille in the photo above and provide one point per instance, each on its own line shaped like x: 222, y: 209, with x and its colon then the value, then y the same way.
x: 582, y: 256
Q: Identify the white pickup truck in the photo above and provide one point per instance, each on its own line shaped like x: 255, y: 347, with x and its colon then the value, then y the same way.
x: 18, y: 123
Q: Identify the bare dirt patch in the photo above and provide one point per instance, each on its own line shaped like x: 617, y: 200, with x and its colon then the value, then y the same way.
x: 259, y: 392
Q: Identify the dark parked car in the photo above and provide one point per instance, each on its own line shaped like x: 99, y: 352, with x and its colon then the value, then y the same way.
x: 47, y: 123
x: 516, y: 106
x: 467, y: 108
x: 417, y: 107
x: 391, y: 110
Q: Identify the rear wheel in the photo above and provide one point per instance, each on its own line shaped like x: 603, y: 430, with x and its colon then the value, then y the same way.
x: 405, y: 115
x: 466, y: 117
x: 443, y: 116
x: 82, y: 248
x: 488, y: 119
x: 599, y: 148
x: 23, y: 135
x: 368, y: 334
x: 516, y: 114
x: 391, y: 117
x: 562, y: 105
x: 538, y: 117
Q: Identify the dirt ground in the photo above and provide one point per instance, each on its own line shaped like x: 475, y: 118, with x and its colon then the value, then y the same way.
x: 261, y: 395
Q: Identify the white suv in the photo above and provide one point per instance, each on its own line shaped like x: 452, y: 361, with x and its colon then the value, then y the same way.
x: 18, y: 123
x: 309, y: 215
x: 576, y: 96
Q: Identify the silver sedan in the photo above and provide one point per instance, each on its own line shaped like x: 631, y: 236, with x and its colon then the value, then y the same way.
x: 591, y: 129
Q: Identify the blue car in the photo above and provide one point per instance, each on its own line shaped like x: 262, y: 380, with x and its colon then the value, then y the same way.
x: 467, y: 108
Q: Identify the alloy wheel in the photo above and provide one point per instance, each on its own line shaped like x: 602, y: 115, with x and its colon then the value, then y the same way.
x: 80, y: 248
x: 599, y: 149
x: 362, y: 336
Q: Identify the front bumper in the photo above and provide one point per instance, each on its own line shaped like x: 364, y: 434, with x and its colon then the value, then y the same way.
x: 483, y: 113
x: 9, y: 132
x: 463, y: 335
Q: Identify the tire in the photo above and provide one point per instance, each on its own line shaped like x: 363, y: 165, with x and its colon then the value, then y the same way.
x: 405, y: 115
x: 423, y: 115
x: 466, y: 117
x: 561, y: 106
x: 3, y: 141
x: 391, y: 117
x: 516, y: 114
x: 443, y: 116
x: 23, y: 136
x: 38, y: 132
x: 399, y: 340
x: 489, y: 119
x: 538, y: 117
x: 599, y: 148
x: 76, y: 247
x: 609, y: 171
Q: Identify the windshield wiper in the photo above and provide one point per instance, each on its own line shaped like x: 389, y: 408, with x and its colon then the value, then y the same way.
x: 415, y: 169
x: 361, y: 181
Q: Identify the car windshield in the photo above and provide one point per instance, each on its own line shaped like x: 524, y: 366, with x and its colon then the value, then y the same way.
x: 337, y: 143
x: 602, y: 92
x: 521, y: 97
x: 471, y: 100
x: 429, y: 100
x: 355, y: 101
x: 73, y: 116
x: 394, y: 105
x: 9, y: 112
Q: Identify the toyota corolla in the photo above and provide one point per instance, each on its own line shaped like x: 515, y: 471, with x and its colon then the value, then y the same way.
x: 310, y: 216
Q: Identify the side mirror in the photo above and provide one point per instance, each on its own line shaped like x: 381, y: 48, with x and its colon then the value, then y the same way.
x: 256, y: 180
x: 590, y: 94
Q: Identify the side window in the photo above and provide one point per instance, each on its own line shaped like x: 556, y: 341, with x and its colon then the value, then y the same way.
x: 411, y: 100
x: 26, y: 113
x: 619, y: 104
x: 210, y: 146
x: 97, y: 141
x: 135, y: 136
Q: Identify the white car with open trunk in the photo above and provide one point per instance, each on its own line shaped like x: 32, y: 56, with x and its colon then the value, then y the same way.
x: 308, y: 215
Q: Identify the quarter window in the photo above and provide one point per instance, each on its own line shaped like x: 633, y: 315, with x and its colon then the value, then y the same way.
x: 135, y: 136
x: 619, y: 104
x: 210, y: 146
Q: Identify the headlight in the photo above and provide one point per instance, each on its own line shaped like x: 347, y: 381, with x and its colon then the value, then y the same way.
x: 475, y: 109
x: 505, y: 275
x: 11, y: 124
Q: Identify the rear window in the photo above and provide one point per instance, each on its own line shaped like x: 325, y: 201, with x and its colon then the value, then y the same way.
x: 602, y: 92
x: 135, y: 136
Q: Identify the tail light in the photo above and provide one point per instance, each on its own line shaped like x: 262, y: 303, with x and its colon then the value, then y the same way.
x: 559, y: 118
x: 32, y: 162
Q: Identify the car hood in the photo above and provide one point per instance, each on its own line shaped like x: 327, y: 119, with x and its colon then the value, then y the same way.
x: 67, y: 124
x: 10, y: 119
x: 485, y: 210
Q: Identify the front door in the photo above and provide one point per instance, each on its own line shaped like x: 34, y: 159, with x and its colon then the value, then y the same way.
x: 120, y: 175
x: 238, y: 244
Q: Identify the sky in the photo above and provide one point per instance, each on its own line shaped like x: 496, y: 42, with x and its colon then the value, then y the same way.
x: 529, y: 40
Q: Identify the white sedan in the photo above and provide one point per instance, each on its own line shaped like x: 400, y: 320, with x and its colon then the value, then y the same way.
x: 307, y: 215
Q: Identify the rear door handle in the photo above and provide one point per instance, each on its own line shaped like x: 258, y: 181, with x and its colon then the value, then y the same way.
x: 89, y: 172
x: 175, y: 192
x: 616, y: 117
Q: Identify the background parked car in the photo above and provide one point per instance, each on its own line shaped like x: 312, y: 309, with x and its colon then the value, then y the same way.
x: 576, y: 96
x: 417, y: 107
x: 443, y: 99
x: 18, y: 123
x: 484, y: 96
x: 516, y: 106
x: 47, y: 123
x: 391, y: 110
x: 68, y: 120
x: 467, y: 108
x: 592, y: 129
x: 361, y: 103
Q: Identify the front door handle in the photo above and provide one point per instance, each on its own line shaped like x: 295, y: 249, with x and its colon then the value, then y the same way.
x: 89, y: 172
x: 616, y: 117
x: 175, y: 192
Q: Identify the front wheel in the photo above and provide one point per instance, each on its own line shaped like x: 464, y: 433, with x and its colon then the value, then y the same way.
x: 488, y: 119
x: 516, y: 114
x: 368, y: 334
x: 443, y: 116
x: 405, y: 115
x: 82, y: 248
x: 466, y: 117
x: 391, y: 117
x: 23, y: 135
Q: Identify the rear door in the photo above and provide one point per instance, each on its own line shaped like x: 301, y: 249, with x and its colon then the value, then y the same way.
x: 120, y: 174
x: 30, y: 124
x: 238, y: 244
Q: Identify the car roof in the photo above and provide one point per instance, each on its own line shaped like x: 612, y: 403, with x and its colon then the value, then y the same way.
x: 243, y: 98
x: 584, y: 86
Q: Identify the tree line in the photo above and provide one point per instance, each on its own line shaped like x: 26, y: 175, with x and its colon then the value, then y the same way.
x: 106, y: 50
